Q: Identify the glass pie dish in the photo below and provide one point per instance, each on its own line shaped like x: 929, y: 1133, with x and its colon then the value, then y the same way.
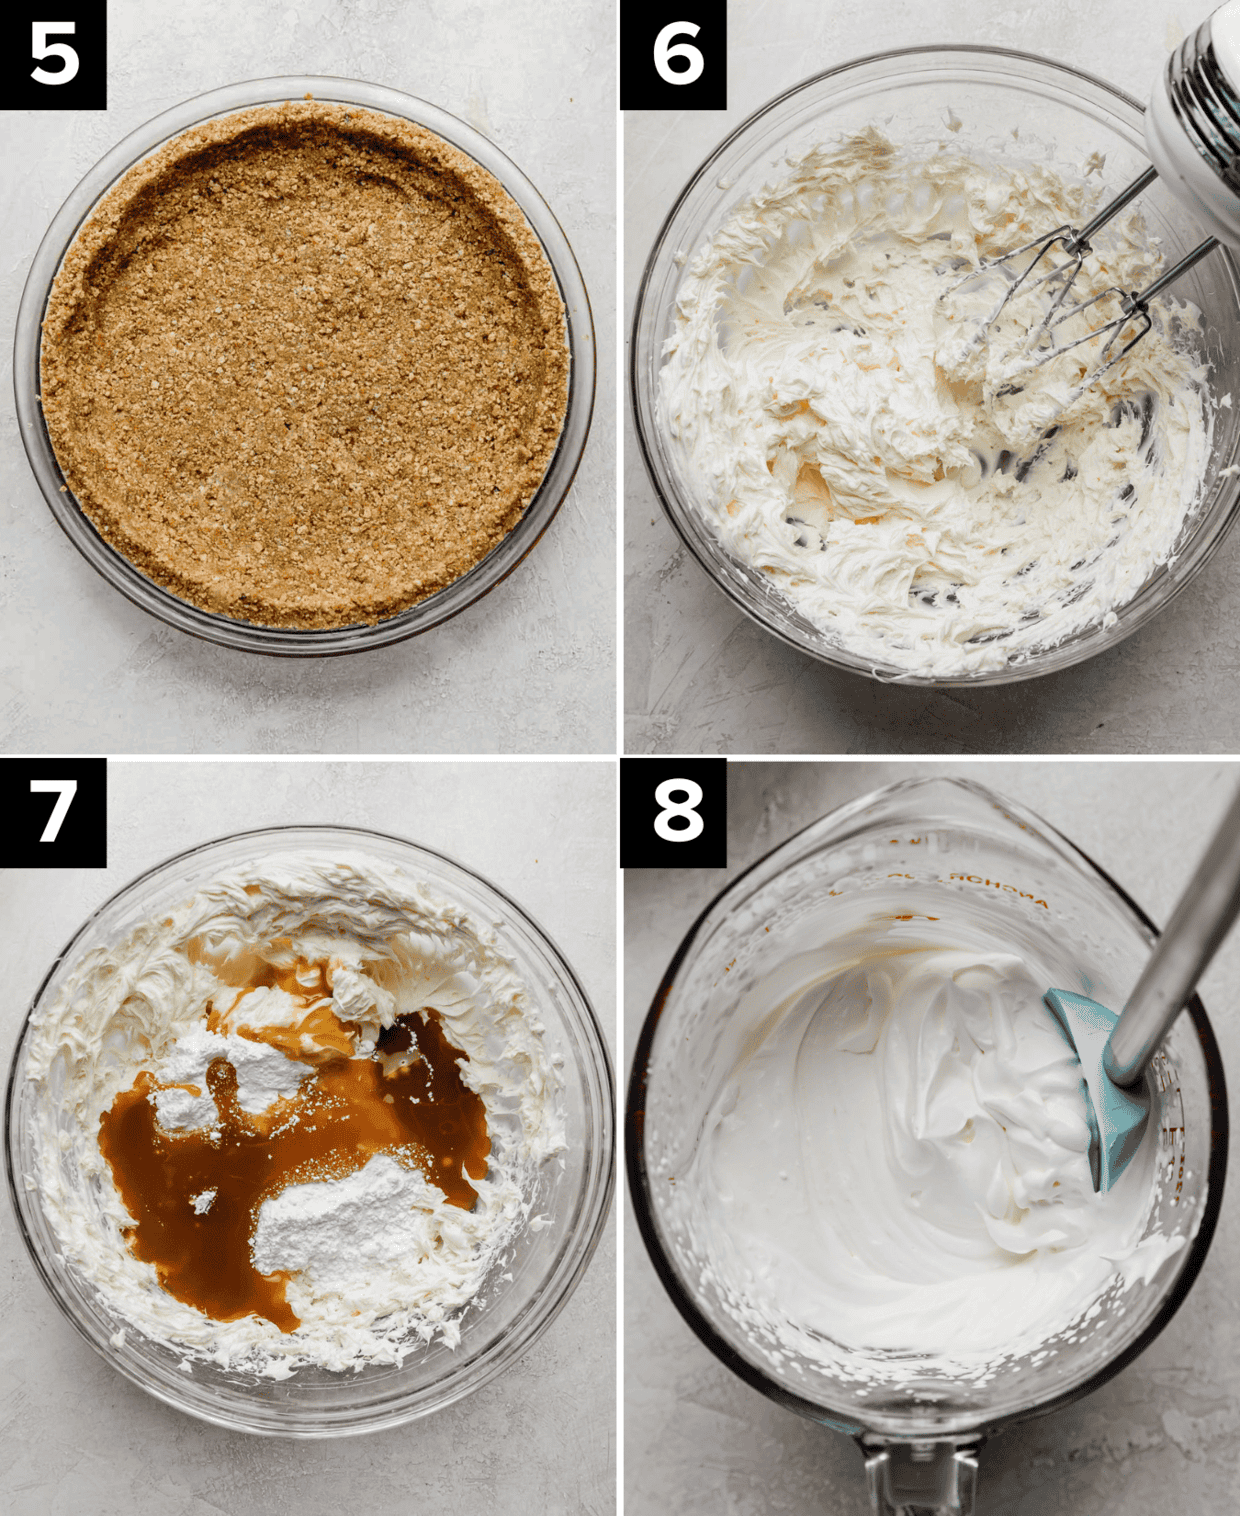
x: 975, y: 98
x: 252, y: 636
x: 525, y: 1288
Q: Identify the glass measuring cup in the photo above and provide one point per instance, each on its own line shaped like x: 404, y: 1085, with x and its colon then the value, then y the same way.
x: 988, y: 862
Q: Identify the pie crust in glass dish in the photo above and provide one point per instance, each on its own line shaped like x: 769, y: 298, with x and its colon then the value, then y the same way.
x: 305, y: 365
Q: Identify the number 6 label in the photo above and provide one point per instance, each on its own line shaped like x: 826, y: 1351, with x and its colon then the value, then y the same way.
x: 664, y: 52
x: 674, y: 57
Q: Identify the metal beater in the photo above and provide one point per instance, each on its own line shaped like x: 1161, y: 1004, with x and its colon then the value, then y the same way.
x: 1192, y: 131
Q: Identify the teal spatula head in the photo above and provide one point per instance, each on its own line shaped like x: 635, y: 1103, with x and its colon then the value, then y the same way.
x: 1117, y: 1117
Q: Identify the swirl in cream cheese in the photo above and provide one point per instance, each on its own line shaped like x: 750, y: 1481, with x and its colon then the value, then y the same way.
x: 852, y: 443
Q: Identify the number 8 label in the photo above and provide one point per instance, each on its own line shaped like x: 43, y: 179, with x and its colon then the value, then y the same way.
x: 685, y: 808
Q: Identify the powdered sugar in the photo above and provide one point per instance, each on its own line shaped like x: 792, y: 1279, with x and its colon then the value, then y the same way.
x: 352, y: 1237
x: 264, y: 1075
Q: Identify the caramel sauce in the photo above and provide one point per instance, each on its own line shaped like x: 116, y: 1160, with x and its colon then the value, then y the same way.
x: 408, y: 1100
x: 318, y: 1037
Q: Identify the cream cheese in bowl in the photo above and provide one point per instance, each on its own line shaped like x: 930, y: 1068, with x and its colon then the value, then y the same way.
x: 858, y: 442
x: 854, y: 472
x: 309, y: 1131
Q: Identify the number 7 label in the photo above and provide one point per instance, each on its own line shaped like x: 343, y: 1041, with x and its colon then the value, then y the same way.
x: 75, y: 834
x: 64, y: 789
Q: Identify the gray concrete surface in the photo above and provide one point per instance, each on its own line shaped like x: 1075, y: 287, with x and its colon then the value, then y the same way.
x: 1164, y: 1434
x: 78, y: 1440
x: 699, y: 676
x: 531, y: 668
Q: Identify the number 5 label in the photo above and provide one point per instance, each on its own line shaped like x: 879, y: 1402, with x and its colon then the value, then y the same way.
x: 54, y: 55
x: 673, y: 56
x: 42, y: 48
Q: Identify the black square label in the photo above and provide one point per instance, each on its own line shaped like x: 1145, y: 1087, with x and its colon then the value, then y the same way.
x: 674, y: 57
x: 58, y: 813
x: 55, y: 56
x: 673, y: 813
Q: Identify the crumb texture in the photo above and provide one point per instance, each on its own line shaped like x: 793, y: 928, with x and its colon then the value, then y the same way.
x: 305, y: 365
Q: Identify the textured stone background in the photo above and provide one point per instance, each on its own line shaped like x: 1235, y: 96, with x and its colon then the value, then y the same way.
x: 76, y: 1439
x: 1164, y: 1434
x: 699, y: 676
x: 530, y: 668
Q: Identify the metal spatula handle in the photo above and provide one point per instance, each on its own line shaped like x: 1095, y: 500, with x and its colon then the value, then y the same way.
x: 1202, y: 919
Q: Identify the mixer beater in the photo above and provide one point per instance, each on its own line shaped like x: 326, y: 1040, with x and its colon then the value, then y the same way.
x: 1192, y: 131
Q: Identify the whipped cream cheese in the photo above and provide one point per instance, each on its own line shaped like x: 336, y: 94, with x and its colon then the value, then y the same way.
x: 891, y: 1177
x: 375, y: 1262
x: 856, y: 439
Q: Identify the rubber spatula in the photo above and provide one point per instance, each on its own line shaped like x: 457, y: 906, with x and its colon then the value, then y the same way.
x: 1115, y: 1051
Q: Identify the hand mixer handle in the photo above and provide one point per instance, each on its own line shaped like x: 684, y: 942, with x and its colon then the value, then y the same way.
x: 1192, y: 125
x: 1202, y: 919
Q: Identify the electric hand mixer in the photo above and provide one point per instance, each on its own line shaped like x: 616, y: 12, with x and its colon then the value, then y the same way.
x: 1192, y: 132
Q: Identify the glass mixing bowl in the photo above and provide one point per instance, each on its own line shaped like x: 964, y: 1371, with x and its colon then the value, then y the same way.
x: 247, y: 636
x: 573, y: 1189
x: 1063, y: 116
x: 996, y: 865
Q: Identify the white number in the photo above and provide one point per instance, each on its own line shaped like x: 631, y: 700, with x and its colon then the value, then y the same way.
x: 40, y: 47
x: 664, y: 52
x: 67, y: 789
x: 685, y: 808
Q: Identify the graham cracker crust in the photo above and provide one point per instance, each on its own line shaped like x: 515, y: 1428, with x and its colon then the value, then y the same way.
x: 305, y: 365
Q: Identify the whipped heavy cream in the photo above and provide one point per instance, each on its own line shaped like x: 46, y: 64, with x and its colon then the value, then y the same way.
x: 858, y: 441
x: 891, y: 1177
x: 378, y: 1261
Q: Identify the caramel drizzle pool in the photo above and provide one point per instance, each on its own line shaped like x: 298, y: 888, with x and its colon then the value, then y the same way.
x: 421, y: 1114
